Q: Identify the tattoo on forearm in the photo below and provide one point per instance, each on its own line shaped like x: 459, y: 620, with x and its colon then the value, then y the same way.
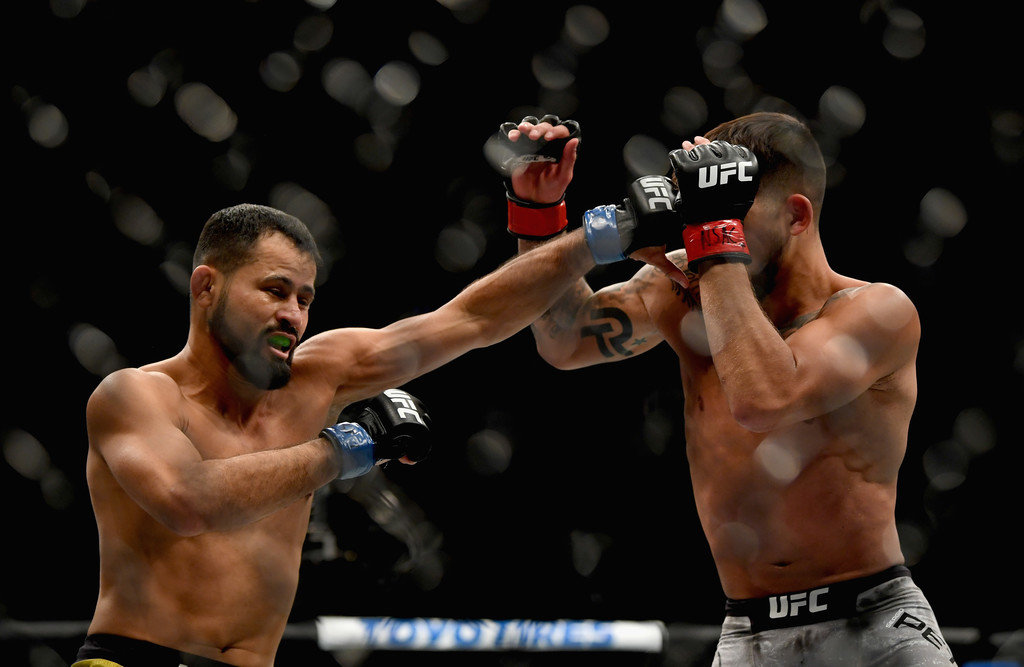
x: 599, y: 331
x: 548, y: 325
x: 690, y: 296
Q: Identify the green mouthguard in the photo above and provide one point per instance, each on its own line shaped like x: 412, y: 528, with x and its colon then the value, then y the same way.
x: 283, y: 342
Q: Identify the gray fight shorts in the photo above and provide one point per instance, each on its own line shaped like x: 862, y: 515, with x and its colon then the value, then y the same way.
x: 881, y: 619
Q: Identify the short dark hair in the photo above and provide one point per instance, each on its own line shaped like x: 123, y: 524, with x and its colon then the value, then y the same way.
x: 787, y: 152
x: 229, y: 236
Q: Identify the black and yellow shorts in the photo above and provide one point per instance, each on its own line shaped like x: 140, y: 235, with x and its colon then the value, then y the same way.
x: 103, y: 650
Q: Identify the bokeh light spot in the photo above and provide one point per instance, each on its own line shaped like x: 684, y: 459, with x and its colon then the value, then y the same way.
x: 743, y: 18
x: 684, y: 111
x: 280, y: 71
x: 313, y: 33
x: 489, y: 452
x: 427, y: 49
x: 586, y: 26
x: 842, y: 110
x: 942, y: 213
x: 645, y: 155
x: 397, y: 82
x: 94, y: 349
x: 459, y: 246
x: 47, y: 125
x: 780, y: 462
x: 904, y: 36
x: 348, y: 82
x: 205, y: 112
x: 136, y: 219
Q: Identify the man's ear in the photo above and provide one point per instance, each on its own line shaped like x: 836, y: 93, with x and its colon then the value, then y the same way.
x: 201, y: 285
x: 801, y: 213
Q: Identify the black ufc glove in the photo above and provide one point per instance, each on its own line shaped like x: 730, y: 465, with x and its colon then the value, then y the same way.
x: 645, y: 218
x: 390, y: 425
x: 717, y: 185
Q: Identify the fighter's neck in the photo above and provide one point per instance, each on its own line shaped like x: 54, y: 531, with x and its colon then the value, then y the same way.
x: 795, y: 286
x: 209, y: 378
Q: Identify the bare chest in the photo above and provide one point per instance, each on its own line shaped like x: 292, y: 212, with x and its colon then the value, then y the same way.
x: 859, y: 443
x: 281, y: 423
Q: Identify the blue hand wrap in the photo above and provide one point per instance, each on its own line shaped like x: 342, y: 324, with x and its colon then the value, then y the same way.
x: 354, y: 445
x: 602, y: 233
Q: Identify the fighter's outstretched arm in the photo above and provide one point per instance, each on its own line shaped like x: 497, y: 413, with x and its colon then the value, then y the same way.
x: 583, y: 327
x: 362, y: 362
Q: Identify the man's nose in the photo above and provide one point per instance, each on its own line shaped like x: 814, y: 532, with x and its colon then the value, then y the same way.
x: 290, y: 315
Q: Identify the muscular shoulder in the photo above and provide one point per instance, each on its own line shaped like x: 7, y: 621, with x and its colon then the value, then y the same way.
x: 121, y: 390
x: 875, y: 323
x: 874, y: 304
x: 330, y: 351
x: 885, y: 305
x: 332, y: 360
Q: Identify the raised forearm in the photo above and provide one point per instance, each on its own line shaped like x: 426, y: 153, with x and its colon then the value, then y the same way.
x: 752, y: 360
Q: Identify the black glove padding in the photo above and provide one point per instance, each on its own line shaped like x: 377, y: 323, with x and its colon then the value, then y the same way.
x: 716, y: 181
x: 717, y: 185
x: 646, y: 218
x: 512, y: 154
x: 397, y: 421
x: 388, y: 426
x: 506, y: 154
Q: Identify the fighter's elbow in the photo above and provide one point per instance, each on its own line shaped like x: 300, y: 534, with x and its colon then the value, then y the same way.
x: 184, y: 523
x: 558, y: 363
x: 182, y: 514
x: 757, y: 416
x: 557, y: 358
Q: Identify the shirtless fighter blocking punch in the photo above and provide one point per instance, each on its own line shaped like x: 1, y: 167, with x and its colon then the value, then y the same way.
x: 799, y: 385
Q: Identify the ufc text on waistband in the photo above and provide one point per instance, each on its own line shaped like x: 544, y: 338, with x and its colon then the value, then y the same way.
x: 825, y: 603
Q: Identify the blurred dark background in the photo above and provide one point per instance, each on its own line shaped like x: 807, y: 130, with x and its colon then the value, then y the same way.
x: 551, y: 494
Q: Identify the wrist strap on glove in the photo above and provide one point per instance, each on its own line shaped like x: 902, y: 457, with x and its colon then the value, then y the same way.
x: 601, y: 230
x: 355, y: 447
x: 720, y: 240
x: 536, y: 222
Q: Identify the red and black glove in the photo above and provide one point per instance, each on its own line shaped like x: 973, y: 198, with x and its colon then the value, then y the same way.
x: 527, y: 219
x: 717, y: 183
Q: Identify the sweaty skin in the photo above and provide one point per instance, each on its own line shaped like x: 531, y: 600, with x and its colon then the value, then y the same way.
x: 192, y: 555
x: 202, y: 483
x: 799, y: 387
x: 787, y: 503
